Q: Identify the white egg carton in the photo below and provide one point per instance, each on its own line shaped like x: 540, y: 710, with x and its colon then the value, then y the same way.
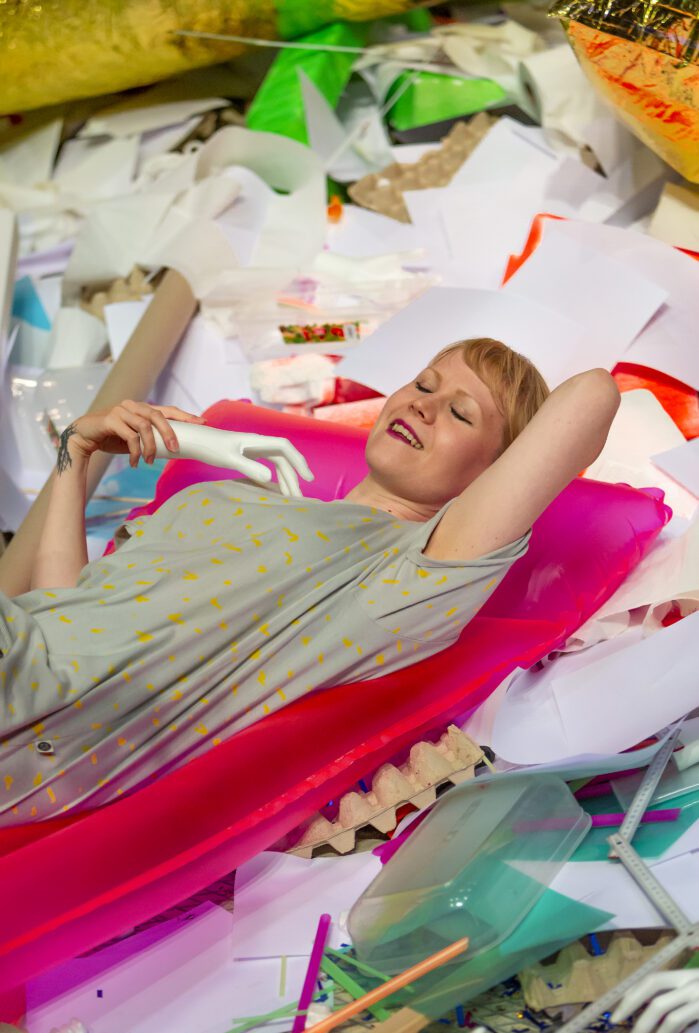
x: 452, y: 759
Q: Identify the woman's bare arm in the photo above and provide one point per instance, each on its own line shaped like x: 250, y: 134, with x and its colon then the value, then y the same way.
x: 127, y: 428
x: 565, y: 436
x: 62, y: 549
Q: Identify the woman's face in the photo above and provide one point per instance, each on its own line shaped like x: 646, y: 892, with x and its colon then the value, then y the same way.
x: 435, y: 435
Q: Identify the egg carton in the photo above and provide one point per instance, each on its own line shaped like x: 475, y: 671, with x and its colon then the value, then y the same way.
x: 576, y: 977
x: 430, y: 765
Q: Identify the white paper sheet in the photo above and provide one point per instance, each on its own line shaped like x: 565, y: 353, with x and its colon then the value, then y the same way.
x: 113, y: 238
x: 668, y: 342
x: 400, y: 347
x: 682, y: 463
x: 485, y: 223
x: 505, y: 147
x: 279, y: 899
x: 86, y: 169
x: 629, y: 694
x: 294, y: 229
x: 361, y: 233
x: 159, y: 141
x: 28, y: 159
x: 202, y: 371
x: 122, y: 318
x: 668, y: 576
x: 608, y: 886
x: 602, y: 700
x: 133, y: 117
x: 178, y: 977
x: 572, y: 278
x: 329, y: 138
x: 641, y: 428
x: 8, y: 260
x: 76, y: 337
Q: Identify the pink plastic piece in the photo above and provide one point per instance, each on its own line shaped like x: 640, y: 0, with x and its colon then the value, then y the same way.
x: 69, y: 884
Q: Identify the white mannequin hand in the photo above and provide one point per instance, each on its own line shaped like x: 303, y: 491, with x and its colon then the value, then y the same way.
x: 236, y: 450
x: 675, y: 1009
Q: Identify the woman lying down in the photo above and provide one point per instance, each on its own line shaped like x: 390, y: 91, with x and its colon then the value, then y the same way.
x: 235, y: 598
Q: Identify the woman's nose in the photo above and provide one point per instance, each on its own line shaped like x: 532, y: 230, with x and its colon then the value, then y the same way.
x: 424, y: 407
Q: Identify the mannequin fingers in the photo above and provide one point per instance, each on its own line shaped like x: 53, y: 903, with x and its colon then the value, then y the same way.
x: 681, y: 1018
x: 288, y: 481
x: 282, y: 447
x: 659, y: 1008
x: 255, y: 471
x: 642, y: 994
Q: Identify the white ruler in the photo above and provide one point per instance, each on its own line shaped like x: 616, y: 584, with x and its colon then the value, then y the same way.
x: 688, y: 934
x: 645, y: 791
x: 643, y: 876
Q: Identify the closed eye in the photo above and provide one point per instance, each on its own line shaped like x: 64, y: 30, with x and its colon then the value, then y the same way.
x: 426, y: 390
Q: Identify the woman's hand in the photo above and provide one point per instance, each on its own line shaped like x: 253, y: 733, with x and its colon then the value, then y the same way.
x: 126, y: 428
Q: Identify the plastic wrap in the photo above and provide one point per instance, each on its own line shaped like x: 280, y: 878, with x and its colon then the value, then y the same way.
x: 57, y: 50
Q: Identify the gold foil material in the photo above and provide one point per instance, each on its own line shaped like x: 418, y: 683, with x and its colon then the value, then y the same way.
x: 668, y: 26
x: 58, y: 50
x: 657, y: 98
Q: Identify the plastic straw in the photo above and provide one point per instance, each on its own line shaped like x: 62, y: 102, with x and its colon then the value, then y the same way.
x: 604, y: 821
x: 397, y: 983
x: 309, y: 983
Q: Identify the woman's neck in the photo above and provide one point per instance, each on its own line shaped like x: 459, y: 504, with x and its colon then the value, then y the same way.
x: 369, y: 493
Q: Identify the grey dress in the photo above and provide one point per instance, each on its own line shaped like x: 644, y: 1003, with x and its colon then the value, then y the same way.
x: 226, y: 604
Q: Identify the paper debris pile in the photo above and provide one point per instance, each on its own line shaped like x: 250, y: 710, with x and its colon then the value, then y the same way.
x: 310, y: 277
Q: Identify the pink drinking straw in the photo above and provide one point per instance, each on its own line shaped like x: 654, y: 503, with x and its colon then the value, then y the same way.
x: 312, y: 971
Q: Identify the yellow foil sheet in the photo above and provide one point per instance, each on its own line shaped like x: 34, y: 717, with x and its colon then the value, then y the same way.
x: 58, y: 50
x: 670, y: 26
x: 657, y: 98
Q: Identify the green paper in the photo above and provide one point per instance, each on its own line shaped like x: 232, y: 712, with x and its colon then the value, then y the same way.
x: 259, y: 1020
x: 351, y: 986
x: 278, y: 104
x: 359, y: 965
x: 435, y: 98
x: 650, y: 840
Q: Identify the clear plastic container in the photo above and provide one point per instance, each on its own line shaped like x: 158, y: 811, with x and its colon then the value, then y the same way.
x: 474, y: 868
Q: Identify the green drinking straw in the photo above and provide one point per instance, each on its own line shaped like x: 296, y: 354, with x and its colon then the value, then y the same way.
x: 352, y: 987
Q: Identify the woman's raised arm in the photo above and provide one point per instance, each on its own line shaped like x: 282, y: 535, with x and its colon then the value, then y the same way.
x: 126, y: 429
x: 565, y: 436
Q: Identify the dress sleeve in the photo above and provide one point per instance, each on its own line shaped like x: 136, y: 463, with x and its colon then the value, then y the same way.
x: 427, y: 599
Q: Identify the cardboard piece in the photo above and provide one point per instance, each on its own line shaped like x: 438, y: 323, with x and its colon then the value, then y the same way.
x: 576, y: 977
x: 383, y: 191
x: 452, y: 759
